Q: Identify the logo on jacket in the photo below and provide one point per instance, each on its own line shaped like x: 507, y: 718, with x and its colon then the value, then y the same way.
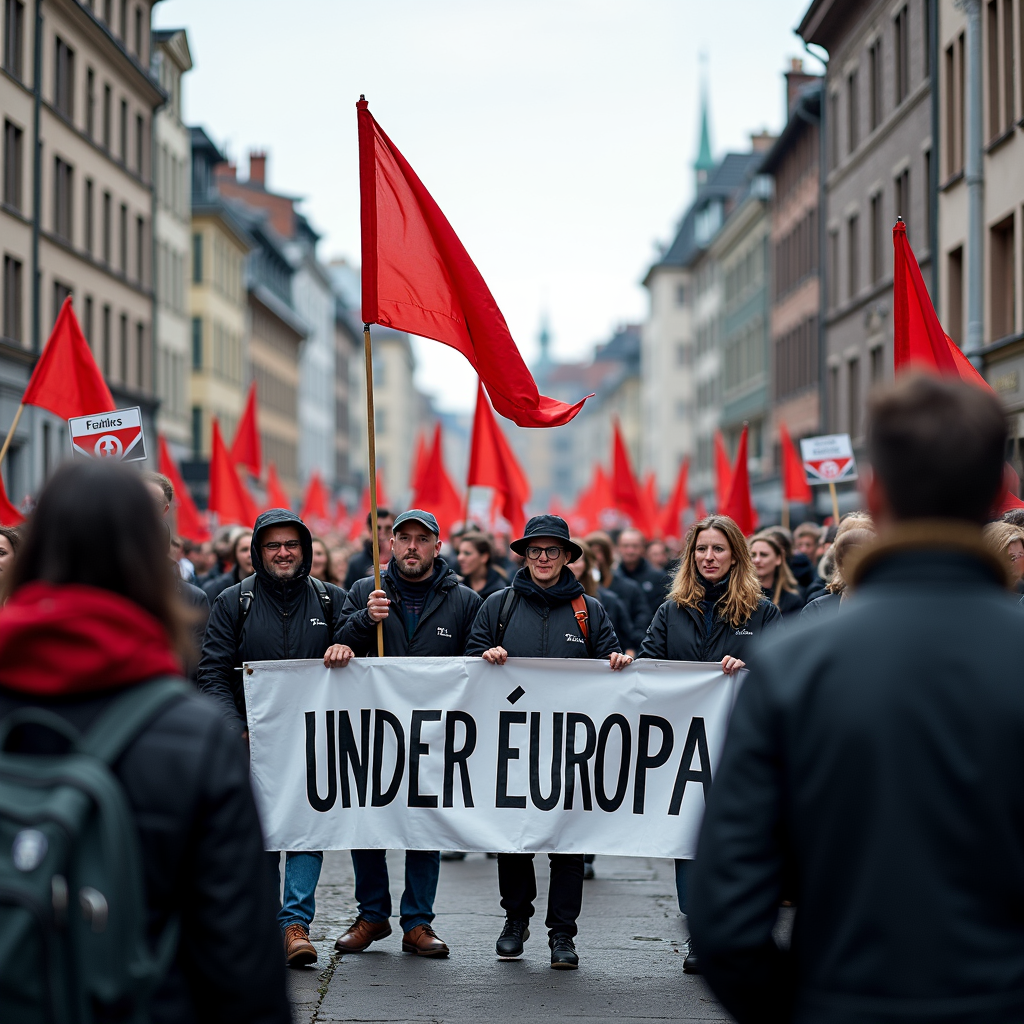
x: 442, y: 631
x: 317, y: 622
x: 743, y: 632
x: 574, y: 639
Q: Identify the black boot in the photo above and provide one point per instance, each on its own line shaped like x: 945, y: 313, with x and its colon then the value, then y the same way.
x: 691, y: 965
x: 510, y: 942
x: 563, y: 953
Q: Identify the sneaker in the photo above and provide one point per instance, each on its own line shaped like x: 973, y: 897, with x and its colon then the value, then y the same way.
x: 298, y: 950
x: 510, y: 942
x: 691, y: 965
x: 563, y: 953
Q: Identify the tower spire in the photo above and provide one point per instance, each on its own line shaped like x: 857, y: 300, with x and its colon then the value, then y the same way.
x: 704, y: 164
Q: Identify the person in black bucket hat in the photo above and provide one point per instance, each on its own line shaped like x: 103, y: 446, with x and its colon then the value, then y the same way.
x: 544, y: 614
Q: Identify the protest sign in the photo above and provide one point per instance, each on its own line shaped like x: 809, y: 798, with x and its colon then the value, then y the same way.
x: 109, y: 435
x: 537, y: 755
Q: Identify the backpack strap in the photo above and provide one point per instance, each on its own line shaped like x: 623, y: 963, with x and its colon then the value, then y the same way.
x: 508, y: 602
x: 323, y: 595
x: 127, y: 716
x: 579, y: 607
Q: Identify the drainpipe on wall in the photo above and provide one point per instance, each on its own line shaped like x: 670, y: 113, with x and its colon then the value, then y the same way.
x: 975, y: 178
x: 37, y: 170
x: 932, y: 42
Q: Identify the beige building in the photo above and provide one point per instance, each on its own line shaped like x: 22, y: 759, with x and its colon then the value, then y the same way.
x: 1002, y: 49
x: 92, y: 216
x: 172, y: 167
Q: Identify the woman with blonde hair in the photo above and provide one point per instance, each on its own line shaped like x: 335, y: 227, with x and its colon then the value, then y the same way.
x: 849, y: 539
x: 714, y: 612
x: 777, y: 581
x: 1007, y: 541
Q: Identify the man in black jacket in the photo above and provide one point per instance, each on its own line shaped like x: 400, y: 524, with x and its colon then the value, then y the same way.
x: 872, y: 770
x: 653, y: 583
x: 425, y: 613
x: 539, y: 616
x: 276, y: 614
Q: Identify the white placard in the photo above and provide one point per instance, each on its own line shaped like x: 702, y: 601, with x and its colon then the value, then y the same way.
x: 109, y: 435
x: 828, y: 459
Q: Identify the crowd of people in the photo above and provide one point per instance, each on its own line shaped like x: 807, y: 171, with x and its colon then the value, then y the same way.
x: 871, y: 781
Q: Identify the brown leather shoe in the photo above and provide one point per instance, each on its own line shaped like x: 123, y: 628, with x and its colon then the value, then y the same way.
x: 423, y: 942
x: 298, y: 950
x: 361, y: 934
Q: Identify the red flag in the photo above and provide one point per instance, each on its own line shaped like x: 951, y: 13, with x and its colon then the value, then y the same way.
x: 723, y: 472
x: 919, y: 341
x: 738, y: 506
x: 191, y: 522
x: 66, y: 379
x: 315, y: 504
x: 277, y: 496
x: 417, y: 277
x: 419, y: 462
x: 359, y: 520
x: 437, y: 494
x: 9, y: 514
x: 382, y: 495
x: 229, y: 497
x: 246, y: 449
x: 671, y: 519
x: 650, y: 492
x: 492, y: 463
x: 628, y: 495
x: 795, y: 488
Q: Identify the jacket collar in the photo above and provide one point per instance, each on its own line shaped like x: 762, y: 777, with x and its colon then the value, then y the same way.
x: 950, y: 536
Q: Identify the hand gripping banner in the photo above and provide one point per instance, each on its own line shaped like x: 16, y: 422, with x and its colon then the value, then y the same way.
x: 536, y: 755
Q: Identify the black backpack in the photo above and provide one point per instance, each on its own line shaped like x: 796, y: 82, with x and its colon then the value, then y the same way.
x: 248, y: 592
x: 73, y: 914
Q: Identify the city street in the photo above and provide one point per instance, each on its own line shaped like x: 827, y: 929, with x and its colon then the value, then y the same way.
x: 631, y: 954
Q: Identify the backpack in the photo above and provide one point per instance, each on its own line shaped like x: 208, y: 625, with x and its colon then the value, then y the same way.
x: 248, y: 592
x: 73, y: 914
x: 579, y: 607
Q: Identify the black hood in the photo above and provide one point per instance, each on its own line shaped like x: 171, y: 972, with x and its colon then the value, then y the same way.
x: 280, y: 517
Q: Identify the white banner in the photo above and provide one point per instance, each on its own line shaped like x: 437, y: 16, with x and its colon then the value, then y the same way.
x: 537, y: 755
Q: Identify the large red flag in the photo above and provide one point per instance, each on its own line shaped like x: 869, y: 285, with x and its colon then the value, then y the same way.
x: 492, y: 463
x: 650, y: 492
x: 191, y: 522
x: 419, y: 462
x: 795, y: 488
x: 626, y: 489
x: 246, y: 449
x: 277, y: 496
x: 9, y: 514
x: 66, y: 379
x: 229, y: 497
x: 919, y: 342
x: 738, y: 506
x: 671, y: 518
x: 417, y: 277
x: 723, y: 472
x: 437, y: 494
x: 359, y: 519
x: 315, y: 508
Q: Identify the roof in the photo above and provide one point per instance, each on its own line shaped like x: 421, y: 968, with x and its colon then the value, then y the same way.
x: 174, y: 41
x: 824, y: 20
x: 806, y: 111
x: 201, y: 141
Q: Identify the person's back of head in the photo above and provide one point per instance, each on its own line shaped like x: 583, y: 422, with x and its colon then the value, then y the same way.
x: 936, y: 448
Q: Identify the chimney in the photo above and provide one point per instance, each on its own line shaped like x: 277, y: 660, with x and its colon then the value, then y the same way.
x: 761, y: 142
x: 258, y: 167
x: 796, y: 79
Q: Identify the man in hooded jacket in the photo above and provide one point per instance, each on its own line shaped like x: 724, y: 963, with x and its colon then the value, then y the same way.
x: 278, y: 613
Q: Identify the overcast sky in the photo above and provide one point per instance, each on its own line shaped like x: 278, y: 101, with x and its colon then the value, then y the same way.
x: 556, y: 135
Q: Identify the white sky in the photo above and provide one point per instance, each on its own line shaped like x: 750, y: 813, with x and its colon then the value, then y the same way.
x: 556, y: 135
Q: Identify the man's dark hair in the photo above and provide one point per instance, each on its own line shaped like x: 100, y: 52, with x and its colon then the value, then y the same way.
x: 162, y: 482
x: 1014, y: 516
x: 937, y: 447
x: 382, y: 513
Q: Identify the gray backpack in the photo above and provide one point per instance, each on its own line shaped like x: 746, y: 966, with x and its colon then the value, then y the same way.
x: 73, y: 915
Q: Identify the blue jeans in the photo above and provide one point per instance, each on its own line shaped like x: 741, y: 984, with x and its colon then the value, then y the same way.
x: 682, y: 883
x: 301, y: 873
x: 373, y: 893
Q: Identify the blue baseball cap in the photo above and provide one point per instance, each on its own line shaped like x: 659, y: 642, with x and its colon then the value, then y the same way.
x: 419, y: 516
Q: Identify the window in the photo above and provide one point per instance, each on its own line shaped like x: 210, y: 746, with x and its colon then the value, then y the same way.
x: 63, y: 182
x: 1007, y: 32
x: 64, y: 79
x: 14, y: 36
x: 833, y: 130
x: 46, y: 450
x: 106, y: 354
x: 107, y: 116
x: 926, y: 36
x: 901, y: 32
x: 90, y: 103
x: 140, y: 148
x: 123, y: 240
x: 878, y: 363
x: 107, y: 206
x: 992, y: 56
x: 108, y: 15
x: 87, y: 320
x: 926, y: 218
x: 124, y: 132
x: 140, y: 355
x: 197, y: 343
x: 852, y: 115
x: 197, y: 258
x: 875, y: 84
x: 12, y: 298
x: 853, y: 397
x: 1003, y: 278
x: 902, y: 195
x: 138, y: 32
x: 13, y: 163
x: 123, y: 337
x: 954, y: 99
x: 853, y: 256
x: 124, y: 24
x: 197, y: 431
x: 833, y: 399
x: 877, y: 238
x: 833, y: 269
x: 61, y: 292
x: 87, y: 219
x: 140, y: 250
x: 680, y: 295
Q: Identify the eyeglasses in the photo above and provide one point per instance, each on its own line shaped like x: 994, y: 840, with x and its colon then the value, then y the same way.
x: 274, y: 546
x: 534, y: 553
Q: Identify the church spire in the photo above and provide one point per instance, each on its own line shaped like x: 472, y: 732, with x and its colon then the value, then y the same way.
x: 704, y: 164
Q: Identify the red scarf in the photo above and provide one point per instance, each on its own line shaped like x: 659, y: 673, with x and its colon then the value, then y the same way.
x: 74, y: 639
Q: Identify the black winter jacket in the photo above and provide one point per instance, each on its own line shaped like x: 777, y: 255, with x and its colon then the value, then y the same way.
x: 824, y: 606
x: 187, y: 782
x: 443, y: 627
x: 198, y: 606
x: 216, y: 585
x: 654, y: 584
x: 789, y: 603
x: 633, y: 600
x: 360, y: 565
x: 543, y: 624
x: 677, y: 634
x: 873, y: 765
x: 495, y: 582
x: 285, y: 621
x: 620, y: 620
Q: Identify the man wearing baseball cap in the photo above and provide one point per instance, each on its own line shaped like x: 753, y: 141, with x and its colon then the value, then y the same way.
x: 426, y: 613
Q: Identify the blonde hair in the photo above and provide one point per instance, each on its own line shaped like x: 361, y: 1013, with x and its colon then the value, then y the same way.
x: 784, y: 578
x: 744, y: 592
x: 853, y: 537
x: 999, y: 536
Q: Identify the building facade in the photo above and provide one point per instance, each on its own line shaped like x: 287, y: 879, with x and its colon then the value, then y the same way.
x: 87, y: 231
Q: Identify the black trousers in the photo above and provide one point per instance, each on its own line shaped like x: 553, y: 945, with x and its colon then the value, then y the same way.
x: 517, y: 884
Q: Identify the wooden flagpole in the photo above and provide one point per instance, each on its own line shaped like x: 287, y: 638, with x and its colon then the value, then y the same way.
x: 372, y: 445
x: 785, y: 513
x: 835, y: 501
x: 10, y: 433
